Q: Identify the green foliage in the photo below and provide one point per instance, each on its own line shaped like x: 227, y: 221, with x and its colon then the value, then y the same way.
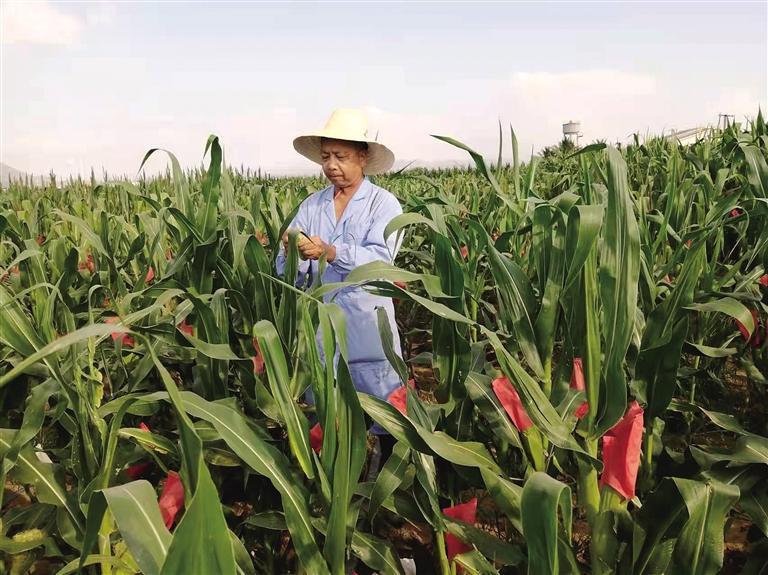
x: 647, y: 262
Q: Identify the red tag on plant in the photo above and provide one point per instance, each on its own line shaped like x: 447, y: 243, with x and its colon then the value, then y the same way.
x: 466, y: 512
x: 398, y: 397
x: 757, y: 337
x: 126, y: 339
x: 577, y: 383
x: 137, y: 470
x: 258, y: 359
x: 171, y: 499
x: 510, y: 401
x: 316, y: 438
x: 184, y: 327
x: 621, y: 452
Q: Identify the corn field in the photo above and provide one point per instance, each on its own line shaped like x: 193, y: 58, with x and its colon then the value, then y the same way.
x: 584, y: 371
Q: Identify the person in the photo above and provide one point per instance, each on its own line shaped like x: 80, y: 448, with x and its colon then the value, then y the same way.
x: 345, y: 223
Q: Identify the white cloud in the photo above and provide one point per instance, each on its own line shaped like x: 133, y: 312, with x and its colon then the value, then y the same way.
x: 536, y: 104
x: 38, y: 23
x: 100, y: 13
x: 611, y: 105
x: 735, y: 101
x: 584, y: 83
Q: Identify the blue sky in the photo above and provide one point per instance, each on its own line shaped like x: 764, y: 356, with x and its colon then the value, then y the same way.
x: 97, y: 83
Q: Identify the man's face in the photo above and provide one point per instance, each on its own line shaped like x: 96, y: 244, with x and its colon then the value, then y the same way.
x: 343, y: 162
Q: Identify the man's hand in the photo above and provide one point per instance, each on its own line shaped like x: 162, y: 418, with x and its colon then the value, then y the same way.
x: 314, y: 248
x: 301, y: 240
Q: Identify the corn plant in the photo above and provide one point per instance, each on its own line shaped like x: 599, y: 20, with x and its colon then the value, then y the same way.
x: 576, y: 322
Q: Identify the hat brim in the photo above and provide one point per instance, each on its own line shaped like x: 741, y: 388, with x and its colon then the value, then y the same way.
x: 380, y: 158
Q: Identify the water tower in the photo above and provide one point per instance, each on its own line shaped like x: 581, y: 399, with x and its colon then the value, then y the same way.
x: 572, y: 132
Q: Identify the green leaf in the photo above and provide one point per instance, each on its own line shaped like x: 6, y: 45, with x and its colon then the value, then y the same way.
x: 257, y: 261
x: 378, y: 270
x: 597, y: 146
x: 657, y: 528
x: 407, y: 219
x: 699, y: 549
x: 584, y: 224
x: 492, y: 547
x: 755, y: 503
x: 34, y: 416
x: 221, y: 351
x: 474, y: 562
x: 350, y: 450
x: 149, y: 440
x: 477, y: 158
x: 656, y: 370
x: 377, y: 553
x: 31, y: 470
x: 74, y: 566
x: 137, y: 515
x: 757, y: 169
x: 274, y: 520
x: 390, y: 477
x: 43, y: 353
x: 507, y: 496
x: 479, y: 389
x: 518, y: 304
x: 730, y: 307
x: 537, y: 405
x: 716, y: 352
x: 450, y: 348
x: 242, y: 557
x: 279, y: 383
x: 201, y: 542
x: 619, y: 275
x: 399, y: 503
x: 541, y: 499
x: 268, y: 461
x: 423, y: 440
x: 181, y: 186
x: 208, y: 211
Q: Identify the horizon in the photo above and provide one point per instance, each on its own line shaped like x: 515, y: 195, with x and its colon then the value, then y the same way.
x: 108, y: 81
x: 314, y: 170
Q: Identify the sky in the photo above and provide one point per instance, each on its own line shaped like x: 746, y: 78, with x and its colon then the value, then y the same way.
x: 97, y: 84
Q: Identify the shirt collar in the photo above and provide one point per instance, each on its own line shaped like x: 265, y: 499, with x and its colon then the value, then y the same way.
x: 361, y: 193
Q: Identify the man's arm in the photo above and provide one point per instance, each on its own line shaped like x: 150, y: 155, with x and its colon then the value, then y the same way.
x: 344, y: 256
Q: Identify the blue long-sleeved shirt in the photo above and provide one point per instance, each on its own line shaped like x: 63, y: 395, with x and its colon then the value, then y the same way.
x: 358, y: 237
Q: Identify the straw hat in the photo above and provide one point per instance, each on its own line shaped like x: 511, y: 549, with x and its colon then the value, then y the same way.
x: 351, y: 125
